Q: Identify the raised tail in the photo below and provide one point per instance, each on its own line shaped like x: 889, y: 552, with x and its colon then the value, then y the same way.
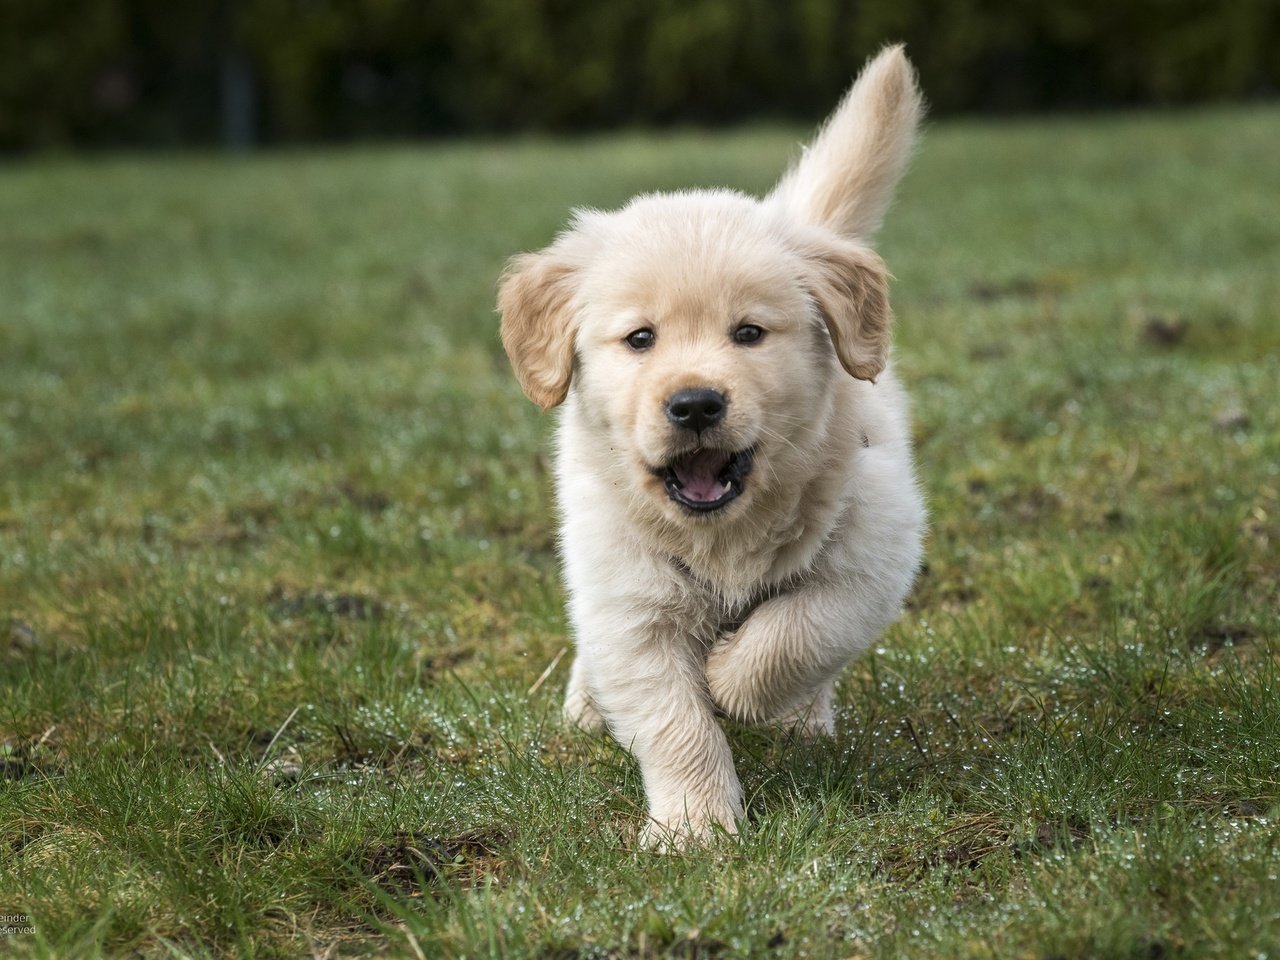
x: 845, y: 179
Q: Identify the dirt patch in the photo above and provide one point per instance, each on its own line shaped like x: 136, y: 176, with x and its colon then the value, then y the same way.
x: 415, y: 859
x: 370, y: 501
x: 1050, y: 836
x: 27, y: 760
x: 1031, y: 504
x: 442, y: 661
x: 1232, y: 808
x: 1232, y: 420
x: 283, y: 605
x: 1216, y: 636
x: 988, y: 291
x: 1163, y: 330
x: 964, y: 845
x: 18, y: 637
x: 988, y: 351
x: 967, y: 845
x: 16, y: 842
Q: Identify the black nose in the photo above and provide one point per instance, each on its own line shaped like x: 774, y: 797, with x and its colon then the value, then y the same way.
x: 696, y: 409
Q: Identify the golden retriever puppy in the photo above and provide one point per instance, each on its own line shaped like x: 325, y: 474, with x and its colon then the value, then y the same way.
x: 740, y: 516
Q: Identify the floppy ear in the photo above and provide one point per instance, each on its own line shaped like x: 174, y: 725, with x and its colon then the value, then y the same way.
x: 850, y: 286
x: 538, y: 325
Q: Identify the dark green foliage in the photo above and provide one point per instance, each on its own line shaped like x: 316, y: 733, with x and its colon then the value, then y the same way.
x: 146, y: 71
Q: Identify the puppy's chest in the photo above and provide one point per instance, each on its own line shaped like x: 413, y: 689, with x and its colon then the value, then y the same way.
x: 712, y: 612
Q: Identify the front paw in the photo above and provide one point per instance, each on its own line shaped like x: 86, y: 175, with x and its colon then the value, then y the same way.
x: 753, y: 692
x: 675, y: 832
x: 735, y: 687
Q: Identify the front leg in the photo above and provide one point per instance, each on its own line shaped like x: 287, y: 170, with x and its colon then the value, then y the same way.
x: 781, y: 664
x: 649, y: 685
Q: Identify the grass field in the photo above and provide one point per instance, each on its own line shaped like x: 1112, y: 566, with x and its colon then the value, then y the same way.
x: 278, y: 585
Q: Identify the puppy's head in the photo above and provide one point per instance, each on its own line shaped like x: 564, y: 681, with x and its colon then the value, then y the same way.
x: 700, y: 333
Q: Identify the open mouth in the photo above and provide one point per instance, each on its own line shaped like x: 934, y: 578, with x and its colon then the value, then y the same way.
x: 707, y: 480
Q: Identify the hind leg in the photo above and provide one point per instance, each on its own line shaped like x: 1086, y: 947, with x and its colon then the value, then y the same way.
x: 580, y: 709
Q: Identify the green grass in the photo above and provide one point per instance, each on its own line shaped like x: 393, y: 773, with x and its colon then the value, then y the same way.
x: 278, y: 578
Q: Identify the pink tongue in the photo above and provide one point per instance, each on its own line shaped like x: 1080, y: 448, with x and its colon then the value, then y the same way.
x: 699, y: 475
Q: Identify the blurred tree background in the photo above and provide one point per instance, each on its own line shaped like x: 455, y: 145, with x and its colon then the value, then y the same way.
x: 154, y: 72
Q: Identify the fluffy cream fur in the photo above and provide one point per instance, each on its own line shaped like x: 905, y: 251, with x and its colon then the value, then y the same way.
x: 753, y: 609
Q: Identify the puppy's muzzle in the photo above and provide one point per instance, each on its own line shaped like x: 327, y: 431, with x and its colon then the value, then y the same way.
x: 696, y: 410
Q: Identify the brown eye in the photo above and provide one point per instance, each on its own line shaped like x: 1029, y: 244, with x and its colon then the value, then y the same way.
x: 748, y: 333
x: 641, y: 339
